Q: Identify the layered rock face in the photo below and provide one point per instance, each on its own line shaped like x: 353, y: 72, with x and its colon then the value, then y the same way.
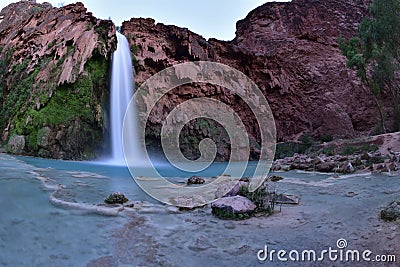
x: 289, y: 49
x: 54, y: 65
x: 54, y: 72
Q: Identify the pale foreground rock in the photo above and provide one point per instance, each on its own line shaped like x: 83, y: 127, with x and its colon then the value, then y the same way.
x: 230, y: 189
x: 188, y: 202
x: 233, y: 205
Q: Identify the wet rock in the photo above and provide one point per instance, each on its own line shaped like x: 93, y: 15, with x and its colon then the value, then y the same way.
x: 351, y: 194
x: 195, y: 180
x: 129, y: 204
x: 391, y: 212
x: 16, y: 144
x: 276, y: 178
x: 233, y: 207
x: 188, y: 202
x: 285, y: 168
x: 229, y: 189
x: 287, y: 199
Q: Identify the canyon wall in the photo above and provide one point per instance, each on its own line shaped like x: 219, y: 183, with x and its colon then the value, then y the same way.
x: 289, y: 49
x: 55, y: 67
x: 54, y: 75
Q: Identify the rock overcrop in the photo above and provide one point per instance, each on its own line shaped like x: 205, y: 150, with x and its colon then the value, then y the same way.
x: 289, y: 50
x: 235, y: 201
x: 234, y: 206
x: 54, y: 79
x: 373, y: 161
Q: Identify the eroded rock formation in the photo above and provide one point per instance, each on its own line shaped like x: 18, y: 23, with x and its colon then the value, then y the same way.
x: 289, y: 49
x: 54, y: 68
x: 54, y: 65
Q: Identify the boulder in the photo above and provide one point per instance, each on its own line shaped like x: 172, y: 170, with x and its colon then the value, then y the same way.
x: 188, y: 202
x: 16, y: 144
x: 346, y: 167
x: 195, y: 180
x: 236, y: 207
x: 275, y: 178
x: 43, y: 137
x: 230, y: 189
x: 391, y: 212
x: 326, y: 166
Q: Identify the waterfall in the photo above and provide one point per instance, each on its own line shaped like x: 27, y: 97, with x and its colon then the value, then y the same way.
x: 122, y: 85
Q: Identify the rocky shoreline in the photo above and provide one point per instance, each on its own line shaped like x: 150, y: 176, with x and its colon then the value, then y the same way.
x: 341, y: 164
x: 377, y: 154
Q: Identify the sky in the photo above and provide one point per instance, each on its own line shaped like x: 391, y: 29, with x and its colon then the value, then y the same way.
x: 209, y: 18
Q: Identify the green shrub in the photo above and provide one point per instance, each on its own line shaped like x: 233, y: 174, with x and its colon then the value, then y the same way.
x: 116, y: 198
x: 349, y: 150
x: 329, y: 151
x: 326, y: 138
x: 51, y: 44
x: 89, y: 26
x: 261, y: 197
x: 227, y: 215
x: 307, y: 140
x: 134, y: 49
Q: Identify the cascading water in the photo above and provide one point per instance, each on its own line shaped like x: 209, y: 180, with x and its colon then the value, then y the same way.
x: 122, y: 85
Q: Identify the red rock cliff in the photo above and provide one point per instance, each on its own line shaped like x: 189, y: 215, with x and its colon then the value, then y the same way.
x: 289, y: 49
x: 53, y: 79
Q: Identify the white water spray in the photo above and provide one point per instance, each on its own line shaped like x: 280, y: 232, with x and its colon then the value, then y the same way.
x: 122, y: 85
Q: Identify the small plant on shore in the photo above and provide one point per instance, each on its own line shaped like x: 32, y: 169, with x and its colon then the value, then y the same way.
x: 116, y: 198
x: 261, y: 197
